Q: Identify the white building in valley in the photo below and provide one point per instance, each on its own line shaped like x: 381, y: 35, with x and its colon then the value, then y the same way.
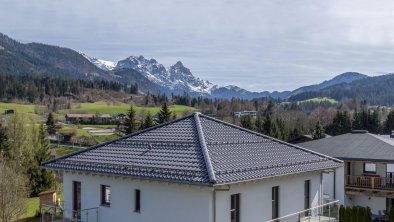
x: 194, y: 169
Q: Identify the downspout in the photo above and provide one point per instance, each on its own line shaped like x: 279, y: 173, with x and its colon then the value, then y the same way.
x: 335, y: 182
x: 321, y: 188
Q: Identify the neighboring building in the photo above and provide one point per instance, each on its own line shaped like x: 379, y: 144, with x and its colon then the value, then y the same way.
x: 368, y: 168
x: 194, y: 169
x: 245, y: 113
x: 88, y: 118
x: 120, y: 117
x: 301, y: 139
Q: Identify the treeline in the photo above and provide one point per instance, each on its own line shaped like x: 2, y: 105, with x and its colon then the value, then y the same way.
x: 34, y: 89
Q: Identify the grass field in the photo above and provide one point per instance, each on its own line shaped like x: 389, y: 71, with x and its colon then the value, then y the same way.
x: 61, y: 150
x: 319, y: 100
x: 112, y: 109
x: 22, y: 108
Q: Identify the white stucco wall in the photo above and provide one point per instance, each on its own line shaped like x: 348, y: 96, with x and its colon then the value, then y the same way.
x: 159, y: 201
x: 375, y: 203
x: 256, y: 204
x: 167, y: 202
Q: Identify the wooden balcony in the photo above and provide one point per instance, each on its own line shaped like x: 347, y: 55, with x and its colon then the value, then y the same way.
x: 369, y: 182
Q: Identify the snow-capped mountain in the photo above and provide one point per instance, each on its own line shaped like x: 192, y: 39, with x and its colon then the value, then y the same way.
x: 178, y: 79
x: 102, y: 64
x: 175, y: 79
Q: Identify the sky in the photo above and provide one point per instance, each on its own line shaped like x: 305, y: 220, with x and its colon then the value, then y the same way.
x: 255, y: 44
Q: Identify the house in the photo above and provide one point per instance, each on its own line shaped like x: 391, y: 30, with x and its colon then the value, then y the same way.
x: 196, y: 169
x: 245, y: 113
x: 368, y: 167
x: 88, y: 118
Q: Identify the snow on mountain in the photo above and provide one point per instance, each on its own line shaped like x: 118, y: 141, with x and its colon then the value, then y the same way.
x: 102, y: 64
x: 175, y: 79
x: 178, y: 79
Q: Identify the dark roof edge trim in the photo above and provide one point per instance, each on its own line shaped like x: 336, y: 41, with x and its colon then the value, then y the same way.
x: 273, y: 139
x: 204, y: 148
x: 367, y: 159
x: 279, y: 175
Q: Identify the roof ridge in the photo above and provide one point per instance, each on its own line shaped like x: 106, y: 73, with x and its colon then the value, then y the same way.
x: 121, y: 138
x: 271, y: 138
x: 204, y: 148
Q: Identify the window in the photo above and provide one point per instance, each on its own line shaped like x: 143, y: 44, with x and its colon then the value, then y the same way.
x: 137, y: 200
x: 275, y: 202
x: 369, y: 168
x: 105, y: 195
x: 307, y: 185
x: 349, y: 168
x: 235, y: 207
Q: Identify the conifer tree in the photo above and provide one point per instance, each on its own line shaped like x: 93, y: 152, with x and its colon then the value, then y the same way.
x: 51, y: 124
x: 131, y: 122
x: 389, y: 123
x: 258, y: 124
x: 246, y: 122
x: 164, y: 114
x: 40, y: 178
x: 148, y: 121
x: 318, y: 133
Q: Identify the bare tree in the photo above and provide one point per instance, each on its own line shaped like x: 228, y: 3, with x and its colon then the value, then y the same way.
x: 13, y: 192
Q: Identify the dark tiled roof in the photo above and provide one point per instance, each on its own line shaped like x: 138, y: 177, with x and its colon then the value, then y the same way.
x: 195, y: 149
x: 355, y: 146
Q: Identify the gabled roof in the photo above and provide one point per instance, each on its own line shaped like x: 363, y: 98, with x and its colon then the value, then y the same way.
x: 355, y: 146
x: 195, y: 149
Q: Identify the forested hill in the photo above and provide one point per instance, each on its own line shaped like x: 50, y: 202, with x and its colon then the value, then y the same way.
x: 377, y: 90
x: 39, y: 59
x: 37, y: 89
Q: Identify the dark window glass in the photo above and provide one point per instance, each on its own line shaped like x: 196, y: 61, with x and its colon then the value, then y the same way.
x: 137, y: 200
x: 235, y: 207
x: 105, y: 195
x: 275, y: 202
x: 349, y: 168
x: 307, y: 191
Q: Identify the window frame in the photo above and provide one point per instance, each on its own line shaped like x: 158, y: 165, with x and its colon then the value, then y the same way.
x: 275, y: 202
x: 105, y: 198
x: 307, y: 194
x: 366, y: 171
x: 235, y: 207
x: 137, y: 200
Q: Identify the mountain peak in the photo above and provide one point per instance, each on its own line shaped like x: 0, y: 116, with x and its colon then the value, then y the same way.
x: 179, y: 64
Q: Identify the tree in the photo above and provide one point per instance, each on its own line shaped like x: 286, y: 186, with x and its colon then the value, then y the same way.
x: 148, y: 121
x: 131, y: 122
x: 341, y: 124
x: 51, y: 124
x: 318, y: 133
x: 13, y: 192
x: 389, y: 124
x: 40, y: 179
x: 258, y: 124
x: 267, y: 124
x: 164, y: 114
x: 246, y: 122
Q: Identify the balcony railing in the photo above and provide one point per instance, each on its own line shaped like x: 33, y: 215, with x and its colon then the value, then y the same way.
x: 328, y: 212
x: 370, y: 182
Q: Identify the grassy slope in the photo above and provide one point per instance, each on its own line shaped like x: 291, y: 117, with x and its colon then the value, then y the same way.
x: 105, y: 108
x: 23, y: 108
x: 319, y: 100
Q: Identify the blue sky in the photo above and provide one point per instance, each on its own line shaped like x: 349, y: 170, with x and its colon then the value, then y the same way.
x: 258, y: 45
